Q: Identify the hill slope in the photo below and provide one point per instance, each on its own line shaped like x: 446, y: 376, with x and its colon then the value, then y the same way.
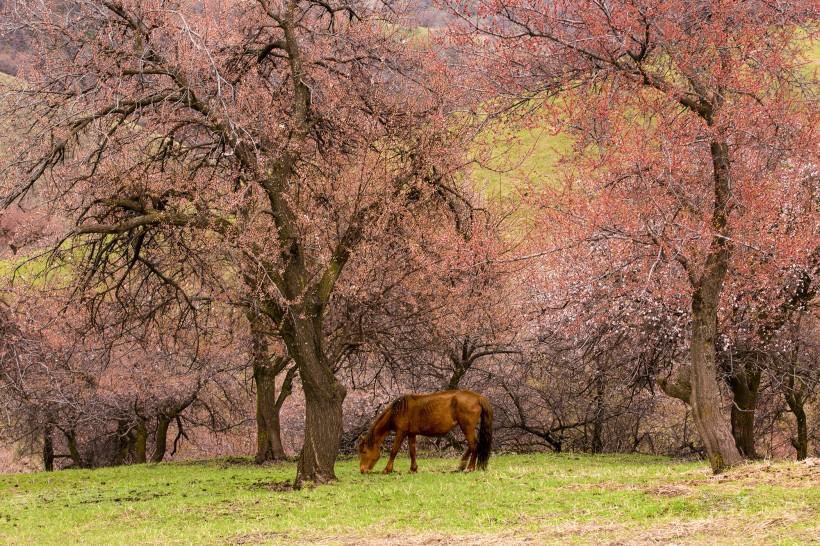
x: 542, y: 499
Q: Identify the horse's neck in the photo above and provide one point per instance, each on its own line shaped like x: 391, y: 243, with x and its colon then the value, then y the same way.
x: 382, y: 427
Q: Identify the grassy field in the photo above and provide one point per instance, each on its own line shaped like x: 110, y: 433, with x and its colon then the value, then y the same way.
x: 521, y: 499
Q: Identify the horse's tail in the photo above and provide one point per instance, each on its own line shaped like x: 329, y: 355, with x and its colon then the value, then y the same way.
x: 485, y: 434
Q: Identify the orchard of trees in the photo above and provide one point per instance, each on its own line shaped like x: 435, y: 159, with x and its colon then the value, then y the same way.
x: 258, y: 222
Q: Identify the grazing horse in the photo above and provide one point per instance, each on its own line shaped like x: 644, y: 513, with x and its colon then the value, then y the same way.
x: 433, y: 414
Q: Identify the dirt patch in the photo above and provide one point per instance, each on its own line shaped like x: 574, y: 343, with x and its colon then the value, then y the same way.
x: 798, y: 475
x: 724, y: 531
x: 133, y: 496
x: 670, y: 490
x: 704, y: 532
x: 425, y: 539
x: 256, y: 538
x: 273, y: 486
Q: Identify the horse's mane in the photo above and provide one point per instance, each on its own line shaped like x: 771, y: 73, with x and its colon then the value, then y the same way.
x: 396, y: 407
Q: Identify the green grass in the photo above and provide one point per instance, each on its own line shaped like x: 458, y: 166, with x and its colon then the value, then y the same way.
x: 527, y: 156
x: 548, y: 498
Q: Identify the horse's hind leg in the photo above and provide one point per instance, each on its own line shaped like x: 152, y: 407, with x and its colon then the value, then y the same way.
x: 464, y: 458
x: 472, y: 446
x: 472, y: 443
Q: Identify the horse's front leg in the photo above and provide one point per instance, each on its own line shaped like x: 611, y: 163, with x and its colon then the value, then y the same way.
x: 411, y: 442
x: 397, y: 441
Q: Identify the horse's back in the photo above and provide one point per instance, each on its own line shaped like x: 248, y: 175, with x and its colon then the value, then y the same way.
x: 436, y: 413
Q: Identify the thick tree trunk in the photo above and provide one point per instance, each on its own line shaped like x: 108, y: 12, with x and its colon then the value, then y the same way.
x: 744, y: 386
x: 705, y: 400
x: 48, y: 450
x: 323, y: 403
x: 161, y: 438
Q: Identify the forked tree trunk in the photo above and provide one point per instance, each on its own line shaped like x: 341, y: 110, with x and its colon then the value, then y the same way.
x: 744, y: 386
x: 73, y: 448
x: 796, y: 402
x: 705, y: 399
x: 323, y: 402
x: 265, y: 369
x: 268, y: 430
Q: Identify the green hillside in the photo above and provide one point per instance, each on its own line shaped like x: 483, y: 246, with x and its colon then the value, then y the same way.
x: 521, y: 499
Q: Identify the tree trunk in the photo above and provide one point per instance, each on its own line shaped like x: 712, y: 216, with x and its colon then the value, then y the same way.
x: 123, y: 442
x: 48, y: 450
x: 161, y: 438
x: 73, y: 449
x: 140, y: 442
x: 597, y: 445
x: 801, y: 442
x: 265, y: 369
x: 744, y: 386
x: 268, y: 433
x: 706, y: 400
x: 323, y: 402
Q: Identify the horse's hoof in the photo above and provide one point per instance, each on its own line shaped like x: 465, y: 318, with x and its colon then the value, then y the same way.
x: 386, y: 471
x: 414, y: 470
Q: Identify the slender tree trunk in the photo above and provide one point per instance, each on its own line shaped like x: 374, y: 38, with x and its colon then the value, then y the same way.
x: 161, y: 438
x: 323, y: 402
x: 140, y: 441
x: 796, y: 405
x: 48, y: 449
x: 801, y: 443
x: 268, y: 432
x: 597, y: 444
x: 744, y: 386
x: 705, y: 400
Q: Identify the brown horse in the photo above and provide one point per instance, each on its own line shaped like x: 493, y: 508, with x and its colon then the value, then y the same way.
x: 433, y: 414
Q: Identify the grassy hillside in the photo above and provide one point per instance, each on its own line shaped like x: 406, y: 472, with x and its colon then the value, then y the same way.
x: 543, y: 499
x: 7, y: 130
x: 527, y: 156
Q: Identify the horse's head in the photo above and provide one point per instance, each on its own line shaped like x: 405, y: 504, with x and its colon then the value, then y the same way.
x: 368, y: 454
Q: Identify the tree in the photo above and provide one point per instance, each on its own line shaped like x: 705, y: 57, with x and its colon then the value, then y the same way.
x: 109, y: 395
x: 281, y: 134
x: 267, y: 365
x: 692, y: 118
